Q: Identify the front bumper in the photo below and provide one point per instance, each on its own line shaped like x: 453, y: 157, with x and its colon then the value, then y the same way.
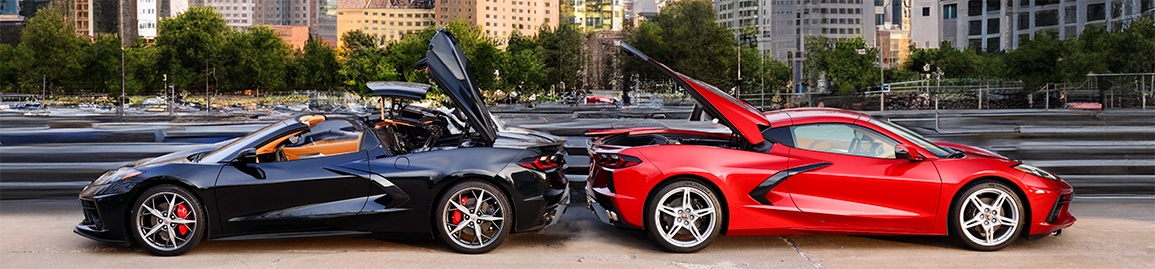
x: 101, y: 227
x: 1057, y: 216
x: 104, y: 212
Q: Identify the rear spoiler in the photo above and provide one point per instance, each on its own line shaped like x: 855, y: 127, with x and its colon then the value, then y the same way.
x: 608, y: 132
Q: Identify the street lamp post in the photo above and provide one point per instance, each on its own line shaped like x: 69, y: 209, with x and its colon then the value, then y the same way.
x: 120, y: 100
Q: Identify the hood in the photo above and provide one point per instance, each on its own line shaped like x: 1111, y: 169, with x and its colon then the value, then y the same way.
x: 740, y: 117
x: 448, y: 67
x: 975, y: 152
x: 399, y: 89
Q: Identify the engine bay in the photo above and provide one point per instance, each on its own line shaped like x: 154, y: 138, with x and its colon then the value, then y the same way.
x: 407, y: 129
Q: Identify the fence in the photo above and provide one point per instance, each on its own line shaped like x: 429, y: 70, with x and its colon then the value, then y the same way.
x: 1098, y: 91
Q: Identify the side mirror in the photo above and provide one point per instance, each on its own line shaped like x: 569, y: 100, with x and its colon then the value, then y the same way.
x: 904, y: 152
x: 246, y: 156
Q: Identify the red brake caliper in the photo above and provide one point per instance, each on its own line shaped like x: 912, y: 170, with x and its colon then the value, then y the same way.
x: 182, y: 212
x: 457, y: 214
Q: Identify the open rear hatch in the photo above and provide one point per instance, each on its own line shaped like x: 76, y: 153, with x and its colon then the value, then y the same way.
x: 741, y: 118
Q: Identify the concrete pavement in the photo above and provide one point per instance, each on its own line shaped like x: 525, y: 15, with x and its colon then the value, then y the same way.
x: 1110, y: 233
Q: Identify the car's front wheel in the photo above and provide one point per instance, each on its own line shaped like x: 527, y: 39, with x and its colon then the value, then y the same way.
x: 167, y: 220
x: 684, y: 216
x: 473, y: 217
x: 987, y: 216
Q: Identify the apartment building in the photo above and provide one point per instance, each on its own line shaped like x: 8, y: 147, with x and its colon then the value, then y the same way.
x: 597, y: 14
x: 500, y: 18
x: 994, y: 25
x: 385, y: 20
x: 150, y: 12
x: 793, y: 20
x: 747, y: 19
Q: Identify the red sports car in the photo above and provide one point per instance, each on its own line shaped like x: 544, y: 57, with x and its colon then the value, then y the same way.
x: 812, y: 171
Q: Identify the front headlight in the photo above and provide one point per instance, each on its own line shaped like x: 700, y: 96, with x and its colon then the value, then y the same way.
x: 115, y: 175
x: 1034, y: 171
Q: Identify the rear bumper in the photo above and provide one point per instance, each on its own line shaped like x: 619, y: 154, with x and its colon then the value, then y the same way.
x: 605, y: 209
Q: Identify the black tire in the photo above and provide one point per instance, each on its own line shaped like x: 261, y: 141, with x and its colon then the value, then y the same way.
x: 172, y: 225
x: 493, y: 216
x: 991, y: 222
x: 667, y: 226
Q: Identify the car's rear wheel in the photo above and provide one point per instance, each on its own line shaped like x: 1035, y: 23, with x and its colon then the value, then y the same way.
x: 167, y: 220
x: 987, y: 216
x: 684, y: 216
x: 473, y: 217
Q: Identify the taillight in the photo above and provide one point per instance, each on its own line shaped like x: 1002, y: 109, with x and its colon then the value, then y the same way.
x: 542, y: 162
x: 611, y: 160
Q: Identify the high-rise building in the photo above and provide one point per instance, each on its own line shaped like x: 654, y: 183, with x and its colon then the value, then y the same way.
x: 743, y: 17
x: 500, y: 18
x: 597, y: 14
x: 385, y: 20
x: 240, y: 14
x: 994, y: 25
x: 793, y: 20
x: 149, y: 13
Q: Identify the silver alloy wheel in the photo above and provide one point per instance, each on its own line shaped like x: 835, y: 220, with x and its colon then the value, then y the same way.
x: 684, y: 217
x: 481, y: 217
x: 161, y: 224
x: 989, y: 217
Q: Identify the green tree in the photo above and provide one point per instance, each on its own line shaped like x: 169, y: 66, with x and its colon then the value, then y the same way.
x: 142, y: 73
x: 561, y: 53
x: 356, y: 39
x: 685, y: 37
x: 101, y: 65
x: 254, y: 59
x: 838, y: 63
x: 366, y: 64
x: 1036, y: 62
x: 316, y: 67
x: 49, y: 50
x: 190, y: 44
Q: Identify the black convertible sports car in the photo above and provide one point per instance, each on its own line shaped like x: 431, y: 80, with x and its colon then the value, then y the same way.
x: 409, y: 171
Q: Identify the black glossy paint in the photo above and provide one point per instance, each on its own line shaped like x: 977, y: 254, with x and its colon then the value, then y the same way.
x: 372, y: 190
x: 365, y: 191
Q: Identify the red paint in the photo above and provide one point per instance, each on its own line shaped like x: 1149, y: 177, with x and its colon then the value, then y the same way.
x: 853, y: 195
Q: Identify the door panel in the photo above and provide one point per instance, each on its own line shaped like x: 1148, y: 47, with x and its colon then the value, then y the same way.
x: 862, y: 183
x: 292, y: 196
x: 866, y: 191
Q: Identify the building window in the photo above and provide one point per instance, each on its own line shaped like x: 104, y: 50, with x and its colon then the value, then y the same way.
x: 1046, y: 18
x: 992, y: 5
x: 950, y: 11
x: 1096, y: 12
x: 926, y: 12
x: 975, y: 8
x: 992, y: 27
x: 879, y: 19
x: 975, y: 27
x: 1024, y: 21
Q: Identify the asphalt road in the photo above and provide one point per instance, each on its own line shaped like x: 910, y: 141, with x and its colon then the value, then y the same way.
x: 1114, y: 233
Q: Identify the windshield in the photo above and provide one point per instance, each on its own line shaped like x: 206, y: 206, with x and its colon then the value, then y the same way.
x: 912, y: 137
x: 220, y: 154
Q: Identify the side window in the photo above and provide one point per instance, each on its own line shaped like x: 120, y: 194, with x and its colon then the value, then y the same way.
x: 780, y: 135
x: 843, y: 139
x: 327, y: 138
